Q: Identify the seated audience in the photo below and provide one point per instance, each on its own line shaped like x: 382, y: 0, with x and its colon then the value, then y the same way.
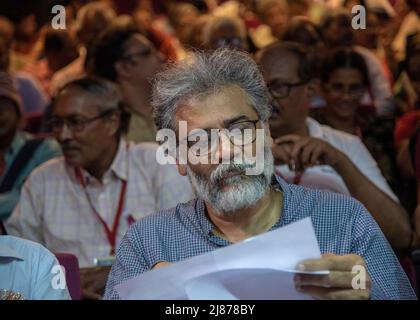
x: 20, y: 152
x: 84, y: 202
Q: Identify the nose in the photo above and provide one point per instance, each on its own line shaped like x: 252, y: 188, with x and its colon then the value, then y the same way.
x: 226, y: 151
x: 64, y: 133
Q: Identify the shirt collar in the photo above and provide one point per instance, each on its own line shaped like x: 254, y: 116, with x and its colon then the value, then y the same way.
x: 119, y: 165
x: 314, y: 127
x: 7, y: 252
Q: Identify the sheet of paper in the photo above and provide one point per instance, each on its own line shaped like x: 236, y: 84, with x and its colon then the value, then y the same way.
x: 268, y: 262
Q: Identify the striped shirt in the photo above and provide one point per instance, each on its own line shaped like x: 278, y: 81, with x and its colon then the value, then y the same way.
x: 342, y: 226
x: 54, y: 209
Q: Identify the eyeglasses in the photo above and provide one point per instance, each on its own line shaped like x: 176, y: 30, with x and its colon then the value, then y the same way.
x: 281, y: 90
x: 234, y: 42
x: 240, y: 134
x: 74, y: 124
x: 338, y: 89
x: 141, y: 53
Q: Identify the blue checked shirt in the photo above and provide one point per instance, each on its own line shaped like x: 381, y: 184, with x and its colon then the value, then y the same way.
x: 342, y: 226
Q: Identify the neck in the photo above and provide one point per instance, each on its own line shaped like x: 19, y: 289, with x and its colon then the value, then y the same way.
x: 250, y: 221
x: 138, y: 98
x: 100, y: 167
x: 347, y: 124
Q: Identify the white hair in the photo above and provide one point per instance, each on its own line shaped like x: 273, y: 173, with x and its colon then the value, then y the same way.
x: 204, y: 74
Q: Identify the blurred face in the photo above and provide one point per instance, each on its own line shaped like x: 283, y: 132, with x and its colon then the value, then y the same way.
x: 225, y: 185
x: 141, y: 61
x: 413, y: 68
x: 369, y: 37
x: 276, y: 18
x: 339, y: 32
x: 27, y: 27
x: 290, y: 103
x: 9, y: 117
x: 84, y: 143
x: 343, y: 92
x: 227, y: 37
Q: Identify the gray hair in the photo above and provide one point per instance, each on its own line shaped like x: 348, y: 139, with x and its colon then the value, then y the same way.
x: 204, y: 74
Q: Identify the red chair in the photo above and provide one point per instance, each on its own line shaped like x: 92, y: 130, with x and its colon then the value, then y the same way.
x: 71, y: 265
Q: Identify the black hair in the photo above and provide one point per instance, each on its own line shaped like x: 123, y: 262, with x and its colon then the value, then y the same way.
x: 346, y: 58
x: 306, y: 58
x: 109, y: 48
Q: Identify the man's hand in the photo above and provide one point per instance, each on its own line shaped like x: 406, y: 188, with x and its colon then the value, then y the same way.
x: 94, y: 282
x: 338, y: 284
x: 303, y: 152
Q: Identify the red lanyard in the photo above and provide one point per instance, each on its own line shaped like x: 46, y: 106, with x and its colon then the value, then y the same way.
x: 296, y: 180
x: 110, y: 234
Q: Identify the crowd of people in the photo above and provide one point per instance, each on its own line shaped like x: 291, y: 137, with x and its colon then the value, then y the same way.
x: 81, y: 108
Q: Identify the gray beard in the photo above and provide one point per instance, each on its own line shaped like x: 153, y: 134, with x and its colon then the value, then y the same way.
x: 243, y: 190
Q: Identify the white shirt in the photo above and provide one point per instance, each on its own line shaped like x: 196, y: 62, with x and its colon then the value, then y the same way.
x: 325, y: 177
x: 54, y: 209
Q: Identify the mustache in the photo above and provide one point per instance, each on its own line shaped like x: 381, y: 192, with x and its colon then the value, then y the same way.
x: 68, y: 145
x: 228, y: 168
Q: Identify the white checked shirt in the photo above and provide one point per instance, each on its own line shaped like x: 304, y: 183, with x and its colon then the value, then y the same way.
x: 55, y: 211
x: 325, y: 177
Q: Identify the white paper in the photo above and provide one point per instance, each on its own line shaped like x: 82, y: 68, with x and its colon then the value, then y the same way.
x: 261, y: 267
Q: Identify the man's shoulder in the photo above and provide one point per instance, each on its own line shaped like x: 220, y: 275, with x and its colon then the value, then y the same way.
x: 26, y: 249
x: 53, y: 168
x: 165, y: 221
x: 321, y: 204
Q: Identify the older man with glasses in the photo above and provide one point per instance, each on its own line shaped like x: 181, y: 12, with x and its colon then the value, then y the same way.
x: 84, y: 202
x: 319, y: 156
x: 222, y: 91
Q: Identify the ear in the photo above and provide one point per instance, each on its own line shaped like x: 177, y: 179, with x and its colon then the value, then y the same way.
x: 122, y: 69
x: 114, y: 123
x: 313, y: 87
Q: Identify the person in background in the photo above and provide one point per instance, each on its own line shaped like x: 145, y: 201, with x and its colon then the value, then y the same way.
x: 28, y: 271
x: 84, y: 202
x: 34, y: 99
x: 319, y: 156
x: 20, y: 152
x: 337, y: 31
x: 225, y: 32
x: 91, y: 20
x: 126, y: 57
x: 275, y: 14
x: 344, y: 81
x: 59, y: 50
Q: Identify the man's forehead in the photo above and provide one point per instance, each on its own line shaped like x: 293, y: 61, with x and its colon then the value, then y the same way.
x: 280, y: 64
x: 215, y: 109
x: 75, y: 101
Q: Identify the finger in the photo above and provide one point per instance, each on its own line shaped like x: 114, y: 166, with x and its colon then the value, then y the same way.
x: 298, y: 146
x: 307, y: 152
x: 280, y: 155
x: 332, y: 262
x: 334, y: 294
x: 288, y: 138
x: 335, y: 279
x: 315, y: 156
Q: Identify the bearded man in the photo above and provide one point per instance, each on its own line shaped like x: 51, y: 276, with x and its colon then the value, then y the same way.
x: 224, y: 92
